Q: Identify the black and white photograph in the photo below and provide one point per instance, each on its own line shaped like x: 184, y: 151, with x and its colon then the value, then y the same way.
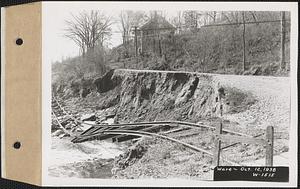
x: 154, y: 92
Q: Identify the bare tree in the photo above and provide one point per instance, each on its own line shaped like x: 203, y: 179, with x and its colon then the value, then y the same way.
x: 129, y: 19
x: 88, y: 30
x: 212, y: 15
x: 191, y: 19
x: 177, y: 21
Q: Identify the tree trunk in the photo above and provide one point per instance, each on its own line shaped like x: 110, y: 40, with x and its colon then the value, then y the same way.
x: 123, y: 37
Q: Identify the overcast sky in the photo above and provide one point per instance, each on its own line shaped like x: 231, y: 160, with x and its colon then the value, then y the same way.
x: 55, y: 46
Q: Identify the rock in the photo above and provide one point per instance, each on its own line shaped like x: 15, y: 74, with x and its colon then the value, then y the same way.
x: 61, y: 135
x: 66, y: 135
x: 88, y: 117
x: 115, y: 170
x: 84, y: 92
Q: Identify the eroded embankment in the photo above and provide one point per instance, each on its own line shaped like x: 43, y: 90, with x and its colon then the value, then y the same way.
x: 136, y: 96
x: 149, y: 95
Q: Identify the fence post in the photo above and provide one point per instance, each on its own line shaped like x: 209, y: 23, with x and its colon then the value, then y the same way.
x: 269, y: 146
x: 218, y: 131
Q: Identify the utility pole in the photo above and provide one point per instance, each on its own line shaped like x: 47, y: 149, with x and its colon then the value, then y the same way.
x: 159, y: 46
x: 282, y: 63
x: 244, y: 42
x: 142, y: 42
x: 136, y: 46
x: 135, y: 41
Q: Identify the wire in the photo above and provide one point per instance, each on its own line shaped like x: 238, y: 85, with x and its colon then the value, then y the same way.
x: 239, y: 23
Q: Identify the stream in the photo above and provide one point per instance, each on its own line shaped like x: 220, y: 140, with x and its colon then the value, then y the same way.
x: 90, y: 159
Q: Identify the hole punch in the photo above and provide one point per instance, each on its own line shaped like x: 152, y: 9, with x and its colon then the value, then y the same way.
x: 19, y: 41
x: 17, y: 145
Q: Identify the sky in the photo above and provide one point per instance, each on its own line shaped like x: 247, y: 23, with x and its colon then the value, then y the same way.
x: 54, y: 16
x: 56, y: 47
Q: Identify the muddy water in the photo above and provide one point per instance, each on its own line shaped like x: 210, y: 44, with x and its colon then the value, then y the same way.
x: 92, y: 159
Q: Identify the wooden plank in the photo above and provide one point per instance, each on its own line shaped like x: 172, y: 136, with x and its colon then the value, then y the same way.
x: 174, y: 124
x: 131, y: 128
x: 156, y: 128
x: 217, y: 151
x: 99, y: 134
x: 169, y: 123
x: 123, y: 138
x: 269, y: 145
x: 147, y: 134
x: 187, y: 134
x: 230, y: 145
x: 125, y: 132
x: 176, y: 130
x: 241, y: 139
x: 236, y: 133
x: 88, y: 130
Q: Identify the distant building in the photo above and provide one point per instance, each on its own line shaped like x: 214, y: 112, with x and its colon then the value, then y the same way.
x: 152, y: 33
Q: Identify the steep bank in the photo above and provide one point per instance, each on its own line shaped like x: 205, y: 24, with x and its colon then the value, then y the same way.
x: 157, y: 95
x: 250, y: 105
x: 149, y: 96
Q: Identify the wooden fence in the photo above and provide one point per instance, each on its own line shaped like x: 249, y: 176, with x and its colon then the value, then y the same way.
x: 268, y: 142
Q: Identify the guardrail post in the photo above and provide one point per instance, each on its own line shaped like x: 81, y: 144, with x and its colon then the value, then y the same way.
x: 269, y: 146
x: 218, y: 132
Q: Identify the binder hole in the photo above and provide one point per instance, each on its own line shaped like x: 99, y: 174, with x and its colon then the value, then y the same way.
x: 19, y: 41
x: 17, y: 145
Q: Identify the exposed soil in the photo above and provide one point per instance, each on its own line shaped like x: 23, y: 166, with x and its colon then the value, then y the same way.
x: 250, y: 105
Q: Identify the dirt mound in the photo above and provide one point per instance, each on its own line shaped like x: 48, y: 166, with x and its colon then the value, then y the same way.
x: 129, y: 157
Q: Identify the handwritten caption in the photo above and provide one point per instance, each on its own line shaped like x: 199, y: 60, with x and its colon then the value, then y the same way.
x: 247, y: 173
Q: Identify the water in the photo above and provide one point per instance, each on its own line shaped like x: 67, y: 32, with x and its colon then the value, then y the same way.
x: 91, y: 159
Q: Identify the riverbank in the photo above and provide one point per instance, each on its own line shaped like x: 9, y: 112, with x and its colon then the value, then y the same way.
x: 92, y: 159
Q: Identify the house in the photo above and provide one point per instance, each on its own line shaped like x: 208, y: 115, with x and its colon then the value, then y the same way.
x: 152, y: 34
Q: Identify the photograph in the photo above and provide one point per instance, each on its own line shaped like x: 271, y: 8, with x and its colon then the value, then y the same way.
x: 156, y: 92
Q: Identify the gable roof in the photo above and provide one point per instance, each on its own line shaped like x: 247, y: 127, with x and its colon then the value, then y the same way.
x: 157, y: 22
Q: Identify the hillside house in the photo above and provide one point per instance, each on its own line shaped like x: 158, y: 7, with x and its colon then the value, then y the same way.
x: 152, y: 34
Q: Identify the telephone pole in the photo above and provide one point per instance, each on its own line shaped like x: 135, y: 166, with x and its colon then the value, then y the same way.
x: 282, y: 62
x: 135, y: 41
x: 136, y: 46
x: 244, y: 42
